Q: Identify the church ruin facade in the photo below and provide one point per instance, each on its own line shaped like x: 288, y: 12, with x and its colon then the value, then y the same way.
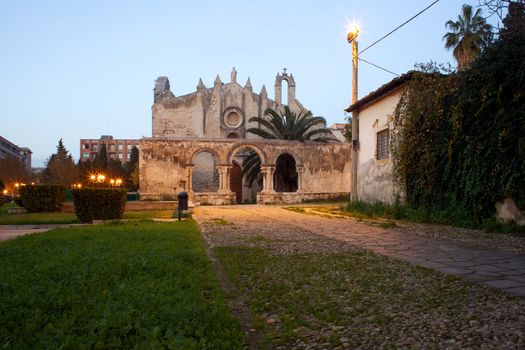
x: 200, y: 140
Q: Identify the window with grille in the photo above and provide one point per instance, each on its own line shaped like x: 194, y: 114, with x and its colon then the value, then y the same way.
x: 382, y: 145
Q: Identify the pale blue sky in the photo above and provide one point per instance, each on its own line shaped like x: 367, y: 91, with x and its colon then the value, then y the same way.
x: 80, y: 69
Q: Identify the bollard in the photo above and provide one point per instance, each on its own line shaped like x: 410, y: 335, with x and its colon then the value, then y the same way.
x: 182, y: 201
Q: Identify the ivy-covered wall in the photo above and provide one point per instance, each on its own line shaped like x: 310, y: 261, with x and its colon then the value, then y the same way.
x: 460, y: 142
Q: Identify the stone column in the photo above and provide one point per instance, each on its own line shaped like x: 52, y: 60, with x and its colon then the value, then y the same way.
x: 224, y: 178
x: 300, y: 173
x: 268, y: 171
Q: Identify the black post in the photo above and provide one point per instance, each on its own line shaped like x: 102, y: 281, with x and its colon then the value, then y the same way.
x: 182, y: 203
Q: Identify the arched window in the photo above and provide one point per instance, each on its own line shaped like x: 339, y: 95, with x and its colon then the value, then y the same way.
x: 284, y: 92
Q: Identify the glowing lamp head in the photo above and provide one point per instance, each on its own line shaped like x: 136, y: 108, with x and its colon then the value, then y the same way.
x: 92, y: 177
x: 353, y: 32
x: 4, y: 192
x: 118, y: 182
x: 17, y: 185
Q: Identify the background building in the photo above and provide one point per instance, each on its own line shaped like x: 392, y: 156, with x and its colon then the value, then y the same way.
x: 22, y: 153
x: 116, y: 148
x: 338, y: 130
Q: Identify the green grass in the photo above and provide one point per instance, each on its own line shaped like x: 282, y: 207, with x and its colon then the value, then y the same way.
x: 38, y: 218
x: 140, y: 285
x: 220, y: 222
x: 381, y: 211
x: 5, y: 207
x: 148, y: 214
x: 352, y: 293
x: 70, y: 218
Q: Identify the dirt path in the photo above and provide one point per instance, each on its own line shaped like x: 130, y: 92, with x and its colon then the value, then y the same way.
x: 492, y: 268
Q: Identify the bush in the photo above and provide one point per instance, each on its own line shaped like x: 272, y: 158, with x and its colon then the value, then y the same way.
x: 37, y: 198
x: 99, y: 203
x: 18, y: 201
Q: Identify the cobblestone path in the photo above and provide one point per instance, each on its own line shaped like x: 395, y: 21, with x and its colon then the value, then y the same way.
x: 492, y: 268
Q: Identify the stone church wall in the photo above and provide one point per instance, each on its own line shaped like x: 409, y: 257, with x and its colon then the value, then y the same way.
x: 196, y: 137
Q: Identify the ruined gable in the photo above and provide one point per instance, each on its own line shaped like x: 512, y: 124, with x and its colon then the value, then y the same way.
x: 219, y: 112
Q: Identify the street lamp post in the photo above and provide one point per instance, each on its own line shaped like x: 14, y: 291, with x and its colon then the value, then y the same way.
x: 352, y: 39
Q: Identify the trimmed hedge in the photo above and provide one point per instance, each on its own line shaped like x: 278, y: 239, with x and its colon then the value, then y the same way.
x: 37, y: 198
x: 99, y: 203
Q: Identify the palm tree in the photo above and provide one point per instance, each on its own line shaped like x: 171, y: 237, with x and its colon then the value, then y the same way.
x: 468, y: 36
x: 287, y: 126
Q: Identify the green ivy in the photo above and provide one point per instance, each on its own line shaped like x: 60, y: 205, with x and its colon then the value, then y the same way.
x: 459, y: 145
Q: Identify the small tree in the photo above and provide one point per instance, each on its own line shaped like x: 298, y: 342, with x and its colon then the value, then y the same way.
x: 60, y: 168
x: 12, y: 170
x: 131, y: 169
x: 101, y: 162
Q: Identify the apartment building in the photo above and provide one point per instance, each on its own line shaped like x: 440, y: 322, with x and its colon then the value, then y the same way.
x: 116, y: 148
x: 22, y: 153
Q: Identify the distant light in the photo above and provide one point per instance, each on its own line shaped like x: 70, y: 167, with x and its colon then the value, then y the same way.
x: 5, y: 192
x: 17, y: 184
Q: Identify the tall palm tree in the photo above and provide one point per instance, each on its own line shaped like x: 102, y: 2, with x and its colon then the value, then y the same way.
x: 287, y: 126
x: 468, y: 36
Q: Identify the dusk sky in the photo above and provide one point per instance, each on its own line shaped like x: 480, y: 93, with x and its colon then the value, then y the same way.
x: 81, y: 69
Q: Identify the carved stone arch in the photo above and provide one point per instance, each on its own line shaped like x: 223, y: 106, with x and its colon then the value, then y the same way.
x: 204, y: 149
x: 291, y: 88
x: 240, y: 146
x: 298, y: 161
x: 289, y: 79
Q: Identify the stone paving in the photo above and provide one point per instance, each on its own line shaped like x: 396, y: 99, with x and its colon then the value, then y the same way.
x: 13, y: 231
x: 489, y: 267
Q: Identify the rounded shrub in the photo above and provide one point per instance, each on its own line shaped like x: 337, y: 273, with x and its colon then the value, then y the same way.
x: 37, y: 198
x: 99, y: 203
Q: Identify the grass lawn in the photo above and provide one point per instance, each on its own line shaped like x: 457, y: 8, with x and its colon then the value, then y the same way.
x: 362, y: 300
x: 70, y: 218
x: 142, y: 285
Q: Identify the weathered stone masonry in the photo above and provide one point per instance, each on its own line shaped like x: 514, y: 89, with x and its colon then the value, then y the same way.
x: 166, y: 168
x: 212, y: 122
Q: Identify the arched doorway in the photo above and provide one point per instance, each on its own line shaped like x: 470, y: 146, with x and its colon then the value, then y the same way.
x: 236, y: 182
x: 285, y: 177
x: 250, y: 177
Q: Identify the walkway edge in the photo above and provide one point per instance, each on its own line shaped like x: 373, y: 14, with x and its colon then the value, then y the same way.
x: 238, y: 306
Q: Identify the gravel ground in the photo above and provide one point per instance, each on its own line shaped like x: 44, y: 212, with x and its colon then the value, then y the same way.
x: 465, y: 316
x: 502, y: 242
